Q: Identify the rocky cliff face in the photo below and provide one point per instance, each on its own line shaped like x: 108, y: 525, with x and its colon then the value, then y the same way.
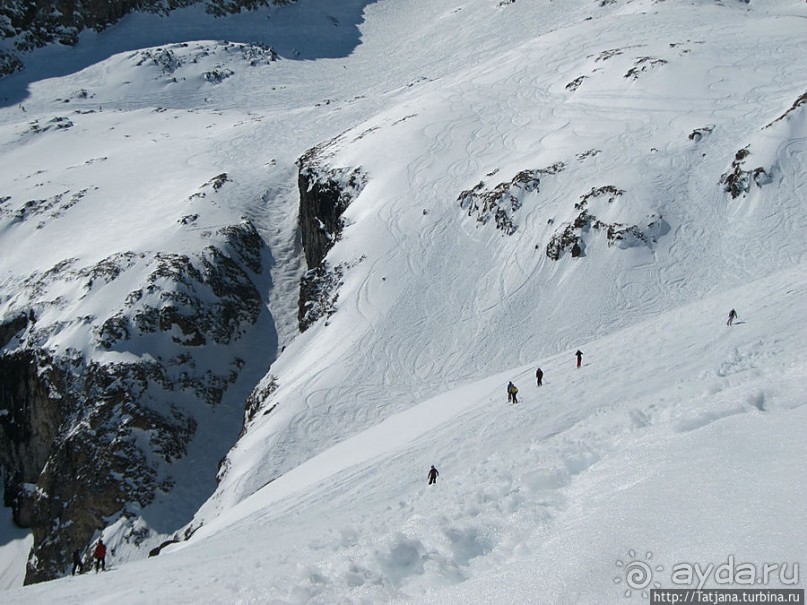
x: 29, y: 24
x: 325, y: 193
x: 90, y: 437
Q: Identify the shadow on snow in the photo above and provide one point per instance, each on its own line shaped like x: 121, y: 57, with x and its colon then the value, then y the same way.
x: 308, y: 30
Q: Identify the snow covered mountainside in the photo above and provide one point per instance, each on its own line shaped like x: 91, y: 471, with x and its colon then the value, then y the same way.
x: 259, y: 272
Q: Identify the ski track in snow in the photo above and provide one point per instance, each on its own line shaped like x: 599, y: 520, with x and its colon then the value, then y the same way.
x: 510, y: 475
x: 325, y: 500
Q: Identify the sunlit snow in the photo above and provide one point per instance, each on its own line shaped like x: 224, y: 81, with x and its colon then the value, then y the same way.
x: 680, y: 437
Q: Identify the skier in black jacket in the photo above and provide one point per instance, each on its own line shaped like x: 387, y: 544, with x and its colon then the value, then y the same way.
x: 77, y: 564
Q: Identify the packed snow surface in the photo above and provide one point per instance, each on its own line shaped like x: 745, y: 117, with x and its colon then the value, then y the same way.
x: 679, y: 440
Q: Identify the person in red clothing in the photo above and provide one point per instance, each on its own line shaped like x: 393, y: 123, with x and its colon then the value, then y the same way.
x: 579, y: 357
x: 100, y: 556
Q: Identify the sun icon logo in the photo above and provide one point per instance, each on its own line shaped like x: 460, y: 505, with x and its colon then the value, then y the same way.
x: 637, y: 574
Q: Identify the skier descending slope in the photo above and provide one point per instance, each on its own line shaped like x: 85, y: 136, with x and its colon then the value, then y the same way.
x: 732, y: 317
x: 433, y: 474
x: 579, y: 357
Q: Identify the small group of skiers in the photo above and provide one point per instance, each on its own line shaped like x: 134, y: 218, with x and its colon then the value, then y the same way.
x: 512, y: 390
x: 99, y: 554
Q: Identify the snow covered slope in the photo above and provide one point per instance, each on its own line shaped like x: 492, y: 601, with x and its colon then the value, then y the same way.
x: 691, y: 452
x: 541, y: 177
x: 435, y: 295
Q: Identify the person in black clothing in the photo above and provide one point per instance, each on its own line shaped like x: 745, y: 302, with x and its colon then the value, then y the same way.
x: 579, y: 357
x: 77, y: 564
x: 433, y: 475
x: 539, y: 376
x: 512, y: 390
x: 732, y: 317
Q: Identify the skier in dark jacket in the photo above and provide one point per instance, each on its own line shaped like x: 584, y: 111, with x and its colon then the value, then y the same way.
x: 539, y: 376
x: 100, y: 556
x: 433, y: 475
x: 512, y: 391
x: 579, y: 357
x: 77, y: 565
x: 732, y: 317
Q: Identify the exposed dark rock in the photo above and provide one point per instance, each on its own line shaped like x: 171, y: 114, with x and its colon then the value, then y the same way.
x: 9, y: 63
x: 502, y: 201
x: 643, y: 64
x: 698, y: 134
x: 319, y: 291
x: 57, y: 123
x: 325, y: 193
x: 609, y: 192
x: 158, y: 549
x: 570, y: 236
x: 10, y: 329
x: 258, y: 396
x: 83, y: 442
x: 605, y: 55
x: 582, y: 157
x: 575, y: 84
x: 27, y: 431
x: 245, y: 243
x: 71, y: 432
x: 737, y: 181
x: 217, y: 76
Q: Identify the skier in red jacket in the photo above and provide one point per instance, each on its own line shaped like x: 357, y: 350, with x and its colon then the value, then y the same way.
x: 100, y: 556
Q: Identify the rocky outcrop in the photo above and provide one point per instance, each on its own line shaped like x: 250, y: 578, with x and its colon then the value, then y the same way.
x: 569, y: 237
x: 319, y: 291
x: 501, y: 202
x: 71, y: 432
x: 91, y: 436
x: 325, y: 193
x: 29, y: 421
x: 737, y: 180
